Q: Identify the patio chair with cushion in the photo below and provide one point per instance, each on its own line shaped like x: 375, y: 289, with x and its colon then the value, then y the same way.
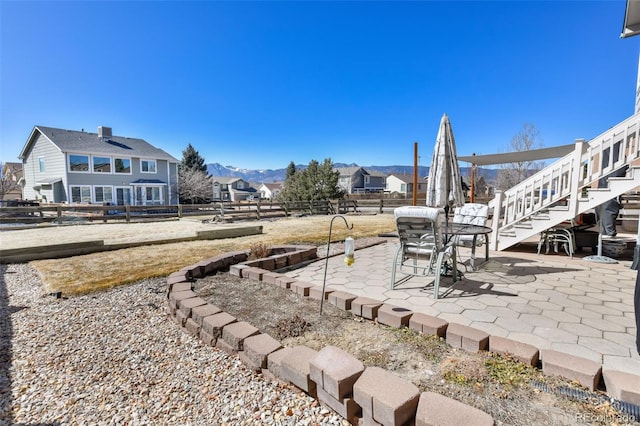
x: 474, y: 214
x: 421, y: 251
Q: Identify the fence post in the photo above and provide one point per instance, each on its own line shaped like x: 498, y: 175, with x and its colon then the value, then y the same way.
x: 59, y: 214
x: 258, y: 209
x: 127, y: 211
x: 179, y: 211
x: 381, y: 205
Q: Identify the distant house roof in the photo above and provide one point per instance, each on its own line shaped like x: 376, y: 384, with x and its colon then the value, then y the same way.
x: 348, y: 171
x: 273, y: 186
x: 403, y: 177
x: 226, y: 179
x: 85, y: 142
x: 14, y: 167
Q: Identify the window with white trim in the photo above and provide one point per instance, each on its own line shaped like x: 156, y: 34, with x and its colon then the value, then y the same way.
x: 103, y: 194
x: 80, y: 194
x: 148, y: 166
x: 122, y: 165
x: 41, y: 163
x: 101, y: 164
x: 78, y: 163
x: 148, y: 195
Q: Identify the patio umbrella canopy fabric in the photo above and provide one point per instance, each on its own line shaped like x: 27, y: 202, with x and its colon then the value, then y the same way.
x: 444, y: 187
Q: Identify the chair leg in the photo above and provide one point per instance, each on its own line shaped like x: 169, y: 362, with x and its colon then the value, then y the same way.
x: 393, y: 268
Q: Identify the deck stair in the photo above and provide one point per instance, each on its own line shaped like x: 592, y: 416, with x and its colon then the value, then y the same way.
x: 568, y: 187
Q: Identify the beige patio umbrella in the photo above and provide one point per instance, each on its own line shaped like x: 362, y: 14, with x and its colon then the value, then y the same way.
x: 444, y: 187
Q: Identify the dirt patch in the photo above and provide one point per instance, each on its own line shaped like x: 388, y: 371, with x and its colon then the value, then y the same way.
x: 511, y: 392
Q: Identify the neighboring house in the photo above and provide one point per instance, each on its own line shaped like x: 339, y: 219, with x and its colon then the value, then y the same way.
x: 13, y: 173
x: 270, y: 191
x: 357, y: 180
x: 229, y: 188
x: 69, y: 166
x: 403, y: 184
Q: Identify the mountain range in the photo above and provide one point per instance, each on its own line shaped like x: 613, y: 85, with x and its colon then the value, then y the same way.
x: 278, y: 175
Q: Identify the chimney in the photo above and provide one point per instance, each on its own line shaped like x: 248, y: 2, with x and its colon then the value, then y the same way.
x: 104, y: 132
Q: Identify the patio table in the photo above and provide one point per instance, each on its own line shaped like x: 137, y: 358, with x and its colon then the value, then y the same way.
x: 454, y: 229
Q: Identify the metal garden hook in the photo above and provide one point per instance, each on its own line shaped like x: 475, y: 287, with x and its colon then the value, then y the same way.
x: 324, y: 281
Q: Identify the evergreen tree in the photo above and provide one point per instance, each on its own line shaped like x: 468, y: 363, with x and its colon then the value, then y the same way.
x: 316, y: 182
x: 191, y: 159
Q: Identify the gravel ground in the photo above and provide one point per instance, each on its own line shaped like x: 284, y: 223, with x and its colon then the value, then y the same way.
x: 116, y: 358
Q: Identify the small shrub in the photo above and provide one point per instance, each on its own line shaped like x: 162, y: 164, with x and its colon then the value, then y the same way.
x: 259, y: 250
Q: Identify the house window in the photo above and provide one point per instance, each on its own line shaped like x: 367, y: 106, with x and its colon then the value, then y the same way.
x: 78, y: 163
x: 103, y: 194
x: 148, y: 195
x: 367, y: 179
x: 41, y: 161
x: 101, y: 164
x: 240, y: 184
x: 148, y: 166
x: 80, y: 194
x: 122, y: 165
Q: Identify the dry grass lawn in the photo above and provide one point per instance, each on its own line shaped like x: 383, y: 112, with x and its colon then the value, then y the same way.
x: 101, y: 271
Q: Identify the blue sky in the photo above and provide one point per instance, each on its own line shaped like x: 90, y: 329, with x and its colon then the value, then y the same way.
x: 260, y: 84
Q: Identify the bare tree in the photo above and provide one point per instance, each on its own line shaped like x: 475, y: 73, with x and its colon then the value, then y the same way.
x: 8, y: 181
x: 194, y: 186
x: 511, y: 174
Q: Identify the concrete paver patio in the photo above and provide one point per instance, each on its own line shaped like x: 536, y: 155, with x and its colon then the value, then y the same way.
x: 550, y: 301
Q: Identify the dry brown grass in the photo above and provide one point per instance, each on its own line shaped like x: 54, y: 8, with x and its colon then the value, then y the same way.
x: 101, y: 271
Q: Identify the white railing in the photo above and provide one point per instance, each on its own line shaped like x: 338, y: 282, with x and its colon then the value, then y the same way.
x: 569, y: 176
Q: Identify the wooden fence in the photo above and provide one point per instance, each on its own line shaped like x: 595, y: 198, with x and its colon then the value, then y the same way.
x: 70, y: 213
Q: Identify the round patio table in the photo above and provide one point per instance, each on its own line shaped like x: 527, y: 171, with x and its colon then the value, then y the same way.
x: 455, y: 229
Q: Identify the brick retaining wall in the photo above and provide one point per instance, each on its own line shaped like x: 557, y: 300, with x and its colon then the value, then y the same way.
x: 336, y: 378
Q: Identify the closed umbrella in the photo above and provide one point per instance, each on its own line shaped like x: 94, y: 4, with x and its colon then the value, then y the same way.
x: 444, y: 187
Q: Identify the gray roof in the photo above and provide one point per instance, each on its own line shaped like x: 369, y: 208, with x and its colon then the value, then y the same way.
x: 79, y: 141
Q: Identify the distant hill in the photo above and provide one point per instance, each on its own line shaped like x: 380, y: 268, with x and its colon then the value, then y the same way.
x: 278, y: 175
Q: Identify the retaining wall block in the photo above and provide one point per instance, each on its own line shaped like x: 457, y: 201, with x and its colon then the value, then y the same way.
x: 176, y: 296
x: 468, y: 338
x: 284, y: 281
x: 301, y: 288
x: 295, y: 368
x: 347, y: 407
x: 236, y: 269
x: 179, y: 286
x: 572, y: 367
x: 394, y: 316
x: 192, y: 327
x: 335, y: 371
x: 188, y: 273
x: 177, y: 277
x: 623, y: 386
x: 428, y: 325
x: 208, y: 267
x: 438, y: 410
x: 280, y: 261
x: 366, y: 307
x: 523, y: 352
x: 257, y: 348
x: 180, y: 318
x: 215, y: 323
x: 385, y: 397
x: 201, y: 312
x: 254, y: 274
x: 270, y: 277
x: 186, y: 305
x: 207, y: 338
x: 274, y: 362
x: 315, y: 292
x: 341, y: 299
x: 235, y: 333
